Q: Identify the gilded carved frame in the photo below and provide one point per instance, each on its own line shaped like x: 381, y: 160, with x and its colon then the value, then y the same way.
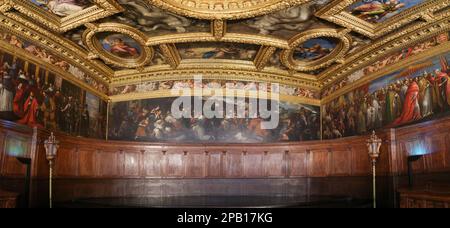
x: 90, y: 39
x: 101, y: 9
x: 225, y: 9
x: 335, y: 12
x: 336, y: 55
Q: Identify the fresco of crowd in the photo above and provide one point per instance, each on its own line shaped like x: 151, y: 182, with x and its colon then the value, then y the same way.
x: 46, y: 56
x: 387, y: 61
x: 31, y: 99
x: 420, y: 92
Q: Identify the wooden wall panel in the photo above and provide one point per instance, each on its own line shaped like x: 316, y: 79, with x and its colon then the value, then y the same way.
x: 234, y: 164
x: 215, y: 164
x: 318, y: 163
x: 360, y: 160
x: 108, y: 164
x: 175, y: 164
x: 87, y: 162
x: 66, y: 163
x: 196, y: 164
x: 253, y: 164
x: 341, y: 164
x: 152, y: 163
x: 275, y: 164
x: 298, y: 164
x: 132, y: 162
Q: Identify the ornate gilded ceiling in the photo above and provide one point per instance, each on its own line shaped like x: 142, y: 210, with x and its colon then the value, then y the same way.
x: 313, y: 45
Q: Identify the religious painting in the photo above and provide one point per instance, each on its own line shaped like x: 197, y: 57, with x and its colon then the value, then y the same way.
x: 283, y: 24
x: 390, y: 60
x: 63, y: 8
x: 153, y: 21
x: 120, y: 45
x: 36, y: 97
x: 315, y: 49
x: 46, y: 56
x: 154, y: 120
x: 233, y: 51
x: 378, y: 11
x: 415, y: 93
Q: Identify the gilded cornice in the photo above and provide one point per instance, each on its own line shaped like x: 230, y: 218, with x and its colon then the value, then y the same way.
x: 171, y: 54
x: 229, y: 69
x: 237, y: 93
x: 263, y: 57
x: 224, y: 9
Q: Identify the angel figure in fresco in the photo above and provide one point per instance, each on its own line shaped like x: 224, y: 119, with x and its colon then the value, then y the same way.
x: 120, y: 48
x: 376, y: 10
x: 63, y: 8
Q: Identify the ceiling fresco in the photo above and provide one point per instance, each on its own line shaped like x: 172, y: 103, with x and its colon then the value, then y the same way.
x: 314, y: 47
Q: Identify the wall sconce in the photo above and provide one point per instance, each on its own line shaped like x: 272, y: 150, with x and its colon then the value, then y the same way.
x: 51, y: 146
x: 374, y: 145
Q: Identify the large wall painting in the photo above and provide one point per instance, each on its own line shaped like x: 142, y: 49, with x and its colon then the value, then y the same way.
x: 152, y: 120
x: 415, y: 93
x: 50, y: 58
x: 388, y: 61
x: 32, y: 96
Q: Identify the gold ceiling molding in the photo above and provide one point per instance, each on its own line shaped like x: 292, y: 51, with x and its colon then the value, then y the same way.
x: 97, y: 50
x: 435, y: 51
x: 382, y: 47
x: 171, y: 54
x: 187, y: 71
x: 287, y: 56
x: 263, y: 57
x: 50, y: 67
x: 17, y: 25
x: 335, y: 12
x: 100, y: 9
x: 209, y: 37
x: 236, y: 92
x: 225, y: 9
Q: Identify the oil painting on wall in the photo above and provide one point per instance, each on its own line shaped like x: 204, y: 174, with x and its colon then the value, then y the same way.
x: 63, y: 8
x: 44, y: 55
x: 389, y: 60
x: 35, y: 97
x: 377, y: 11
x: 416, y: 93
x: 152, y: 120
